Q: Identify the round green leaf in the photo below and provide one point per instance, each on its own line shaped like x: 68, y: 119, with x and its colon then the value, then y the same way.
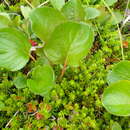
x: 120, y: 71
x: 116, y: 98
x: 44, y: 20
x: 42, y: 80
x: 70, y: 42
x: 104, y: 16
x: 20, y: 81
x: 91, y: 13
x: 14, y: 49
x: 73, y: 10
x: 117, y: 18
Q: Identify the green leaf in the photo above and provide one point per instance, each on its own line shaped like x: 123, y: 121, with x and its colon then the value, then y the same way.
x: 73, y: 10
x: 58, y: 4
x: 91, y: 13
x: 41, y: 61
x: 70, y: 42
x: 116, y: 126
x: 16, y: 22
x: 116, y: 98
x: 36, y: 3
x: 44, y: 20
x: 14, y: 49
x: 5, y: 14
x: 20, y: 81
x: 42, y: 80
x: 117, y: 18
x: 104, y: 16
x: 2, y: 105
x: 25, y: 11
x: 110, y: 2
x: 120, y: 71
x: 4, y: 20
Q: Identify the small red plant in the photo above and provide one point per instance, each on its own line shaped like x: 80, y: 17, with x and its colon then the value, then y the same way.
x: 33, y: 43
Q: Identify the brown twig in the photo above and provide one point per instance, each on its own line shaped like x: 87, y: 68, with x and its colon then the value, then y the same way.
x: 32, y: 58
x: 11, y: 119
x: 29, y: 3
x: 63, y: 70
x: 44, y: 3
x: 6, y: 3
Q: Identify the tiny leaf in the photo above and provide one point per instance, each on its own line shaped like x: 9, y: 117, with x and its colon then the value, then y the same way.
x: 111, y: 2
x: 116, y: 98
x: 117, y: 18
x: 73, y: 10
x: 58, y: 4
x: 104, y: 16
x: 91, y: 13
x: 20, y: 81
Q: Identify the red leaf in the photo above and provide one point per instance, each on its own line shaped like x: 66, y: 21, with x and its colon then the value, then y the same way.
x: 31, y: 107
x: 57, y: 128
x: 48, y: 107
x: 18, y: 97
x: 39, y: 116
x: 125, y: 44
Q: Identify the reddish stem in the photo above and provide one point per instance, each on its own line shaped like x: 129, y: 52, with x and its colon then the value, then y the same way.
x: 63, y: 70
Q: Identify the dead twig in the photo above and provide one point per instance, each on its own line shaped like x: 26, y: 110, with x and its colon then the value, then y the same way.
x: 11, y: 119
x: 44, y: 3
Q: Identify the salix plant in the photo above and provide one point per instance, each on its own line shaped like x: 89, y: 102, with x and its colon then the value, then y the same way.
x: 66, y: 40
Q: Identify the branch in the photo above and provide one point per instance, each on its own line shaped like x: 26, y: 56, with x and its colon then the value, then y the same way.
x: 119, y: 31
x: 11, y: 119
x: 63, y: 70
x: 44, y: 3
x: 29, y: 3
x: 6, y: 3
x: 32, y: 58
